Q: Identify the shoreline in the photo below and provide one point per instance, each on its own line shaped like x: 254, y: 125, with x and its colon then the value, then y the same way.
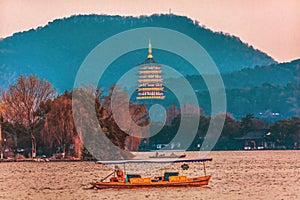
x: 135, y: 153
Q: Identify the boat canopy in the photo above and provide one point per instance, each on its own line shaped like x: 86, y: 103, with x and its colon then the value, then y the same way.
x: 153, y: 161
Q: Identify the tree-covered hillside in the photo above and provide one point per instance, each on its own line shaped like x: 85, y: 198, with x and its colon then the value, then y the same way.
x: 271, y: 92
x: 56, y: 50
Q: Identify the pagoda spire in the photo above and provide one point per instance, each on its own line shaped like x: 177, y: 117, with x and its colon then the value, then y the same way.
x: 149, y: 50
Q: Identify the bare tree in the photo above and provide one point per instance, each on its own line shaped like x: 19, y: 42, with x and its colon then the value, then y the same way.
x: 22, y: 102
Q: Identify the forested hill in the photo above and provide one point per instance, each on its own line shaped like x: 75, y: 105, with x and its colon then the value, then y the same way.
x: 270, y: 92
x: 56, y: 50
x: 275, y: 74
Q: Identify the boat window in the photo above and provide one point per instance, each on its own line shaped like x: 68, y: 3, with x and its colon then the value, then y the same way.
x: 133, y: 176
x: 168, y: 174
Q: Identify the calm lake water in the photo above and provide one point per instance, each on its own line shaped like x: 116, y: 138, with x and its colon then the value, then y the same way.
x: 235, y: 175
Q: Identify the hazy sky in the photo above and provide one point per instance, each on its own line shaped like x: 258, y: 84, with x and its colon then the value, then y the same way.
x: 272, y: 26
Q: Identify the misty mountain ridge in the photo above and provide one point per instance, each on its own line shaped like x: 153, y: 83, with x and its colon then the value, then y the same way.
x: 275, y: 74
x: 56, y: 51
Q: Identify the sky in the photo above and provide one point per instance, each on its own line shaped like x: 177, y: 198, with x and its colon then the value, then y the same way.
x: 272, y: 26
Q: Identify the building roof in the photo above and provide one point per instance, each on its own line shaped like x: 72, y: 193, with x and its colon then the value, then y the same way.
x: 255, y: 134
x: 149, y: 61
x: 154, y: 161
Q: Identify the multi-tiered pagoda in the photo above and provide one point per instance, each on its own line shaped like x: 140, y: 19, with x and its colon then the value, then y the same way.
x: 150, y: 82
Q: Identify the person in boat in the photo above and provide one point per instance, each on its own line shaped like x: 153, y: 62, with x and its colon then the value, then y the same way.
x: 120, y: 176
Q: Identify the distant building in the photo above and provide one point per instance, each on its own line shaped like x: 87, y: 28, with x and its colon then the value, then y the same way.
x: 257, y: 140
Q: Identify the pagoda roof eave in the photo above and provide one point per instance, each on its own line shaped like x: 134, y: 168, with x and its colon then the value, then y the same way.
x: 149, y: 61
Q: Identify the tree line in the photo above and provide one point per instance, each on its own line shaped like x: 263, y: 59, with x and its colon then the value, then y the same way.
x: 284, y: 133
x: 36, y: 121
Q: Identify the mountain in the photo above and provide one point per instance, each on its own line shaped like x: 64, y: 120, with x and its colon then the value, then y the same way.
x: 56, y: 50
x: 275, y: 74
x: 270, y: 92
x: 267, y: 101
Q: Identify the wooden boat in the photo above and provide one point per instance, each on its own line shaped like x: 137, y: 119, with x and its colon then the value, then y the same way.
x: 172, y: 155
x: 170, y: 179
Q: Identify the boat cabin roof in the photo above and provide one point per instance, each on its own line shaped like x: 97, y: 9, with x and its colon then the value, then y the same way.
x: 154, y: 161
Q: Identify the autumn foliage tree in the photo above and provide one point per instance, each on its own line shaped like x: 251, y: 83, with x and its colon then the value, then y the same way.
x: 126, y: 117
x: 96, y: 127
x: 21, y: 103
x: 59, y: 129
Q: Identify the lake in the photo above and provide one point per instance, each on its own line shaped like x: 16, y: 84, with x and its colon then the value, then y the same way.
x: 235, y: 175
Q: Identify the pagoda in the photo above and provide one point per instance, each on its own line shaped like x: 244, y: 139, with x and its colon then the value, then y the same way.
x: 150, y: 82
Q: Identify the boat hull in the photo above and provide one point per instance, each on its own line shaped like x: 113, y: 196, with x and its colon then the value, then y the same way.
x: 196, y: 182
